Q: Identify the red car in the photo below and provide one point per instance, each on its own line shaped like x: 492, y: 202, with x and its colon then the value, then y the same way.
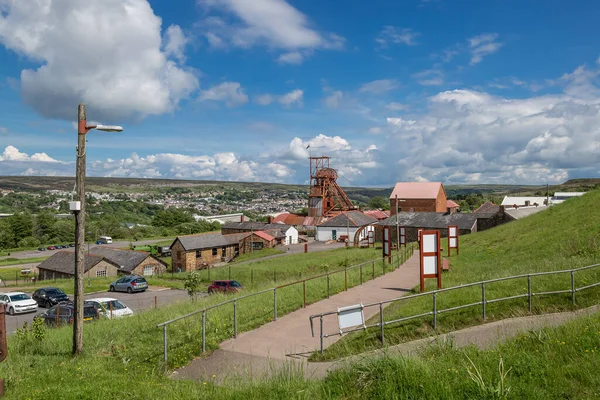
x: 51, y: 247
x: 224, y: 287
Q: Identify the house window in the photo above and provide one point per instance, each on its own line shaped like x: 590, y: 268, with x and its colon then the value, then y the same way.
x: 223, y: 251
x: 198, y: 253
x: 214, y: 251
x: 257, y: 245
x: 100, y: 273
x: 149, y: 269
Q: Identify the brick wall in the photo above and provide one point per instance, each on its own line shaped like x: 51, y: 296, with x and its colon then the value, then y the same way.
x: 157, y: 267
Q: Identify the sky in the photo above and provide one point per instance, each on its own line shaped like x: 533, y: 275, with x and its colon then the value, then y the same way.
x: 462, y: 92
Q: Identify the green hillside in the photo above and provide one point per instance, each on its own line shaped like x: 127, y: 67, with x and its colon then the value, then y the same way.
x: 563, y: 237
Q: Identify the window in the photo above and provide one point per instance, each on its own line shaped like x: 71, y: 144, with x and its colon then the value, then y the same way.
x: 223, y: 251
x: 198, y: 253
x: 257, y: 245
x: 214, y: 251
x: 100, y: 273
x: 149, y: 269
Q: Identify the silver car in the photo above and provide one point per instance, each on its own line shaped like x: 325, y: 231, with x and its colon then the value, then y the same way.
x: 129, y: 284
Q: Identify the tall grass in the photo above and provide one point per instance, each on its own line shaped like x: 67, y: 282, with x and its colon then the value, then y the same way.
x: 565, y: 236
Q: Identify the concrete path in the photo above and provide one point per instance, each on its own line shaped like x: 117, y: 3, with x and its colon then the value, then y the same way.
x: 269, y: 347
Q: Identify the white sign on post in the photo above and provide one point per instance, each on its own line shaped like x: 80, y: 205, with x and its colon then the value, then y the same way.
x: 350, y: 316
x: 403, y: 235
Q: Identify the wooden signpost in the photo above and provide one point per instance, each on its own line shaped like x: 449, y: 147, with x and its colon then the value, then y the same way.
x: 452, y: 238
x: 430, y: 257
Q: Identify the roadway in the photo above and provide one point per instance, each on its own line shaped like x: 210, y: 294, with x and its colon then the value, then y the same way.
x: 120, y: 244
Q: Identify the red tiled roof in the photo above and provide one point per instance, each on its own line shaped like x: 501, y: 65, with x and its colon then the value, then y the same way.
x: 377, y: 214
x: 451, y: 204
x: 416, y: 190
x: 288, y: 219
x: 264, y: 235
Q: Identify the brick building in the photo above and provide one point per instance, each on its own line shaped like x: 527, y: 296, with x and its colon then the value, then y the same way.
x: 418, y: 197
x: 193, y: 252
x: 284, y: 234
x: 257, y: 241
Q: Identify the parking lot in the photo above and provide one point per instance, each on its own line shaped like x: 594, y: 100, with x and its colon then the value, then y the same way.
x: 153, y: 297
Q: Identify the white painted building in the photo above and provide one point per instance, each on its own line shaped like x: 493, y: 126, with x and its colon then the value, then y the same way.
x: 345, y: 224
x: 291, y: 235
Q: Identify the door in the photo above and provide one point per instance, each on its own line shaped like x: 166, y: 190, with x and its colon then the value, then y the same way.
x: 121, y: 285
x: 334, y: 235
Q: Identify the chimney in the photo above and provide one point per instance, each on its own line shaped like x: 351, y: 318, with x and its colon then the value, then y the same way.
x: 270, y: 219
x: 502, y: 209
x: 527, y: 203
x: 242, y: 218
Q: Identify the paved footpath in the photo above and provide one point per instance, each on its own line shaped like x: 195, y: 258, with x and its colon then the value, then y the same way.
x: 278, y: 343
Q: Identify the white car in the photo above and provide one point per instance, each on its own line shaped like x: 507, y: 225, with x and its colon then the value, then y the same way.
x: 18, y: 302
x: 111, y: 308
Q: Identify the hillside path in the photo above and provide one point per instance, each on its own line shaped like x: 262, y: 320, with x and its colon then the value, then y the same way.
x: 285, y: 341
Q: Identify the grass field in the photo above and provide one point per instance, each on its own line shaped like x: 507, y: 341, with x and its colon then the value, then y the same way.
x: 18, y: 261
x: 565, y: 236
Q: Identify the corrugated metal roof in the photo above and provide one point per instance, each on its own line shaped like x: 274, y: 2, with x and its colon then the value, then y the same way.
x: 416, y: 190
x: 436, y: 220
x: 377, y: 214
x: 206, y: 241
x: 349, y: 218
x: 264, y: 235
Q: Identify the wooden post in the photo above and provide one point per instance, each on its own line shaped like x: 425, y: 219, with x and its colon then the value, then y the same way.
x: 79, y: 230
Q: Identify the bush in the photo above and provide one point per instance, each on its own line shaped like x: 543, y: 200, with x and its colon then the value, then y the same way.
x: 28, y: 241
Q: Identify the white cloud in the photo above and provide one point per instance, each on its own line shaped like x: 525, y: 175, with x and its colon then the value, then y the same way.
x: 264, y: 99
x: 291, y: 98
x: 379, y: 86
x: 392, y: 35
x: 334, y: 99
x: 375, y: 130
x: 272, y: 23
x: 430, y: 77
x: 106, y: 53
x: 3, y: 130
x: 397, y: 106
x: 175, y: 42
x: 483, y: 45
x: 231, y: 93
x: 11, y: 153
x: 293, y: 57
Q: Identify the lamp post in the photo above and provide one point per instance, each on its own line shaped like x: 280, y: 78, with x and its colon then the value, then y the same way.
x: 78, y: 207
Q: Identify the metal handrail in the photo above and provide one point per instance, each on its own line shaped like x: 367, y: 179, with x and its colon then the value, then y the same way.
x: 408, y: 252
x: 483, y: 302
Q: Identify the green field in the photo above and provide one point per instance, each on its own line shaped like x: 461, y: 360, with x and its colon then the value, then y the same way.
x: 565, y: 236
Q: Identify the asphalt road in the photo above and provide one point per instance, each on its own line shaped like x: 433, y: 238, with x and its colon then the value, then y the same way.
x: 136, y: 301
x: 36, y: 253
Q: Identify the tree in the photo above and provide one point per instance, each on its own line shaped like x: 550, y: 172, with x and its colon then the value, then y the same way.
x: 21, y: 225
x: 192, y: 284
x: 379, y: 202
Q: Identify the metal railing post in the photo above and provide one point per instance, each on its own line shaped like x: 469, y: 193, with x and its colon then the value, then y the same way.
x: 165, y: 344
x: 321, y: 332
x: 203, y: 331
x: 373, y: 269
x: 573, y: 287
x: 275, y: 304
x: 235, y: 318
x: 434, y: 310
x: 361, y: 279
x: 304, y: 287
x: 345, y: 279
x: 381, y: 323
x: 529, y: 291
x: 327, y: 285
x: 483, y: 300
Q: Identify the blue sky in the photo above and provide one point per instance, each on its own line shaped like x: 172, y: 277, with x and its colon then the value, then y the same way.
x: 438, y: 90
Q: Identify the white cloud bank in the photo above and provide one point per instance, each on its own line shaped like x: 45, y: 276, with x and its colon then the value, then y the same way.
x: 108, y: 54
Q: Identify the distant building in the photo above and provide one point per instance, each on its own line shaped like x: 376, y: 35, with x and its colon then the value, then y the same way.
x: 559, y: 197
x: 288, y: 233
x: 418, y: 197
x: 451, y: 206
x: 344, y: 226
x: 221, y: 219
x: 131, y: 261
x: 524, y: 201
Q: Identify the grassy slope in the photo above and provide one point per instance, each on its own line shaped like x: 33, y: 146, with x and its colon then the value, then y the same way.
x: 563, y: 237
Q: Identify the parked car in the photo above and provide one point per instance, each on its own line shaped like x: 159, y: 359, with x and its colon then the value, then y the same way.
x: 41, y: 249
x: 129, y: 284
x: 51, y: 248
x: 18, y: 302
x: 71, y: 244
x: 65, y: 246
x: 49, y: 296
x: 111, y: 308
x: 64, y: 313
x: 227, y: 286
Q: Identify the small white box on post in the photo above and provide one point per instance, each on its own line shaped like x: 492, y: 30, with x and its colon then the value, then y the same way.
x: 351, y: 316
x: 75, y: 205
